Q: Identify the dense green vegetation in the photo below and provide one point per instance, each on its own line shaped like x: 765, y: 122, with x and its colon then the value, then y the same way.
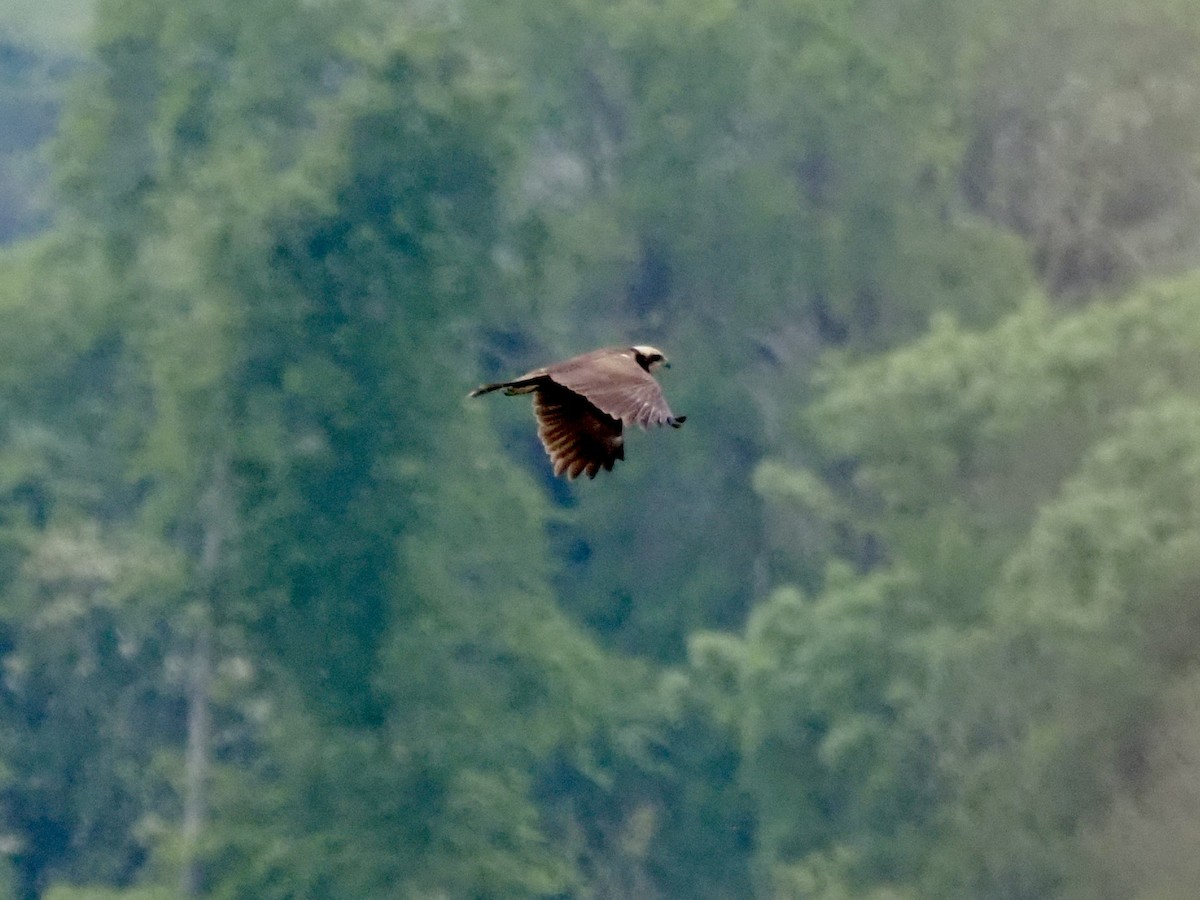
x: 909, y: 609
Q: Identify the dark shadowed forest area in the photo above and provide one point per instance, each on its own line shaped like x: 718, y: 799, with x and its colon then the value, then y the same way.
x: 909, y: 609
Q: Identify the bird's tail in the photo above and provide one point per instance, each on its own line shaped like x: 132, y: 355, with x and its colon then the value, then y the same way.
x: 677, y: 421
x: 487, y: 389
x: 520, y: 386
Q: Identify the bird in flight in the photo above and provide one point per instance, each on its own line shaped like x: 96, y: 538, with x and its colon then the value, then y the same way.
x: 583, y: 403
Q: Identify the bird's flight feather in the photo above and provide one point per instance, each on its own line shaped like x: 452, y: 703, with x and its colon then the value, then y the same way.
x: 578, y: 437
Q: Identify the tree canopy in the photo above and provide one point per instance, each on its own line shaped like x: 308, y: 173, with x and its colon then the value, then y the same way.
x: 906, y: 610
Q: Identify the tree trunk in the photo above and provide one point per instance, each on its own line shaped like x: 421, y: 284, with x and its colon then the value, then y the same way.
x: 214, y: 510
x: 195, y: 799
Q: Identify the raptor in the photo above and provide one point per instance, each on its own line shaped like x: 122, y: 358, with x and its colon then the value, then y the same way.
x: 584, y: 403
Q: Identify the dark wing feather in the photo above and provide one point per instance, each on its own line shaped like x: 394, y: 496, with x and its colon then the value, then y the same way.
x: 577, y: 436
x: 613, y: 381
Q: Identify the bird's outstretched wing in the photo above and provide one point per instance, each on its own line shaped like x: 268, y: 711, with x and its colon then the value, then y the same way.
x: 577, y: 435
x: 613, y: 381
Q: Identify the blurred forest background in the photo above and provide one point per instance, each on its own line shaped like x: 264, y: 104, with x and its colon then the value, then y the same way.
x: 909, y: 609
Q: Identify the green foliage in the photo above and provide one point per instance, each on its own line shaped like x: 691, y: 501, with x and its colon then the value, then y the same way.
x: 1033, y: 483
x: 407, y: 825
x: 61, y: 892
x: 32, y: 83
x: 830, y: 749
x: 740, y: 184
x: 1082, y: 135
x: 912, y: 619
x: 79, y: 753
x: 1136, y: 850
x: 289, y: 296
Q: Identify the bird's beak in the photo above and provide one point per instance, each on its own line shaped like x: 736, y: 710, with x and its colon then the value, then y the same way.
x: 665, y: 364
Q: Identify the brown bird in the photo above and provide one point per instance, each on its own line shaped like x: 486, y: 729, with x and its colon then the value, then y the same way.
x: 583, y: 403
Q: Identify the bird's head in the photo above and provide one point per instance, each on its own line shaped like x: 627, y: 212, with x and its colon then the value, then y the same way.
x: 649, y: 358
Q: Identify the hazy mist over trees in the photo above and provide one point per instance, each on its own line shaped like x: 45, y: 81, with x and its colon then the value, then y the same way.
x: 909, y: 609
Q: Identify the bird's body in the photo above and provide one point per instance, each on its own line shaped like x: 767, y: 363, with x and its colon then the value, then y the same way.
x: 582, y: 405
